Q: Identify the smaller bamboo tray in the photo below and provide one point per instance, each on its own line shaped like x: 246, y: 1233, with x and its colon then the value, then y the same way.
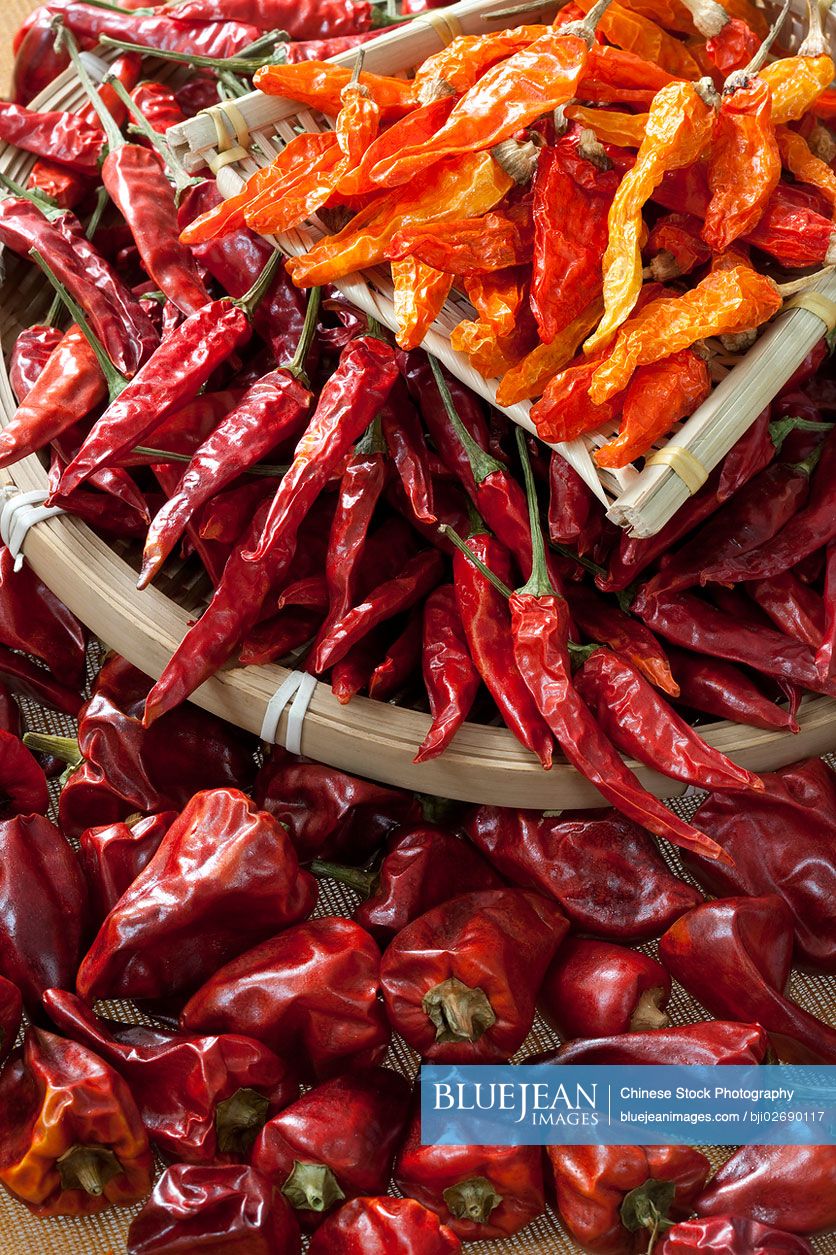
x: 641, y: 501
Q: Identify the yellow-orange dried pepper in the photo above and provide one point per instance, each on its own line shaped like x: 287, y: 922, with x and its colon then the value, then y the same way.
x: 469, y: 246
x: 529, y: 377
x: 420, y: 293
x: 645, y: 38
x: 611, y: 127
x: 804, y: 165
x: 320, y: 84
x: 657, y: 396
x: 455, y: 69
x: 797, y: 82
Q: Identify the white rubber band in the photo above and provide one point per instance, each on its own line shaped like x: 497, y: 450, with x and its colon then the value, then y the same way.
x: 21, y: 511
x: 298, y: 689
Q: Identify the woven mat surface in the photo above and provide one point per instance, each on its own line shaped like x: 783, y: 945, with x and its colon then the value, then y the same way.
x: 23, y: 1234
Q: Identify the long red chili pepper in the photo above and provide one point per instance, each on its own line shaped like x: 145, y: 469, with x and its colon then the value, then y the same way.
x: 716, y: 687
x: 302, y: 19
x: 407, y: 446
x: 159, y: 32
x: 609, y: 625
x: 450, y: 677
x: 400, y: 663
x: 32, y: 350
x: 158, y: 105
x: 824, y: 654
x: 57, y: 136
x: 792, y: 605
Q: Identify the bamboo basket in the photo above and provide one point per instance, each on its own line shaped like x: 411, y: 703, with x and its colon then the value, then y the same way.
x: 98, y: 582
x: 641, y: 501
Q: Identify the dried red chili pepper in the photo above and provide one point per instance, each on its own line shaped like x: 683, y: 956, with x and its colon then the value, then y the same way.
x: 601, y: 621
x: 113, y: 855
x: 23, y: 676
x: 460, y: 981
x: 199, y: 1206
x: 23, y: 787
x: 158, y: 105
x: 400, y: 663
x: 825, y: 651
x: 328, y: 813
x: 32, y: 350
x: 597, y: 989
x: 575, y: 515
x: 56, y: 135
x: 174, y: 925
x: 730, y: 1235
x: 11, y: 1010
x: 37, y: 62
x: 310, y: 993
x: 32, y: 619
x: 570, y: 859
x: 715, y: 687
x: 308, y: 20
x: 780, y: 844
x: 158, y: 31
x: 750, y: 942
x: 792, y: 605
x: 478, y: 1191
x: 605, y: 1194
x: 711, y: 1043
x: 676, y: 247
x: 324, y: 49
x: 201, y: 1099
x: 789, y: 1186
x: 450, y: 677
x: 421, y: 868
x: 407, y: 447
x: 415, y: 368
x: 298, y: 1153
x: 73, y: 1142
x: 384, y: 1226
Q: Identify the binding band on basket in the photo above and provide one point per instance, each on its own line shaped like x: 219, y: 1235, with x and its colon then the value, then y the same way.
x: 683, y: 463
x: 297, y: 689
x: 816, y: 303
x: 22, y: 510
x: 447, y: 28
x: 228, y: 120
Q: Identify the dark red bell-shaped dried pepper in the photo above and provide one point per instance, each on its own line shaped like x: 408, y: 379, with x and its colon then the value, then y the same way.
x: 607, y: 1195
x: 597, y: 989
x: 224, y: 878
x: 715, y: 687
x: 730, y: 1235
x: 384, y: 1226
x: 32, y: 619
x: 43, y: 908
x: 787, y: 1186
x: 641, y: 723
x: 781, y: 843
x: 214, y: 1209
x: 314, y: 1169
x: 112, y: 856
x: 460, y: 982
x: 450, y: 678
x: 421, y: 868
x: 72, y: 1139
x: 602, y: 869
x: 32, y: 350
x: 600, y: 621
x: 710, y: 1043
x: 11, y: 1010
x: 734, y: 955
x: 202, y: 1099
x: 23, y: 787
x: 328, y: 813
x: 479, y: 1191
x: 311, y: 993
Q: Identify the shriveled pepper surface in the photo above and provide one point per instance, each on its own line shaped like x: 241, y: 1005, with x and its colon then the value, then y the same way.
x: 105, y: 1234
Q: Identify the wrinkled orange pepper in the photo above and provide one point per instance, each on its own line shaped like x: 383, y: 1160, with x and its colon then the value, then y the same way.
x: 320, y: 84
x: 420, y: 293
x: 462, y: 63
x: 467, y: 245
x: 744, y: 165
x: 657, y: 396
x: 804, y: 165
x: 611, y: 127
x: 529, y: 377
x: 644, y: 37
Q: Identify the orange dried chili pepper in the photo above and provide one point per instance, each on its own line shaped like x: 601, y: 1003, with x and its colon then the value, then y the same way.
x: 744, y: 166
x: 467, y: 245
x: 320, y: 84
x: 730, y: 299
x: 507, y: 98
x: 504, y: 331
x: 672, y: 14
x: 455, y: 69
x: 415, y: 128
x: 420, y: 293
x: 623, y: 129
x: 529, y: 377
x: 678, y: 130
x: 498, y: 297
x: 658, y: 396
x: 645, y: 38
x: 676, y: 246
x: 797, y: 82
x: 614, y: 74
x: 460, y: 187
x: 804, y: 165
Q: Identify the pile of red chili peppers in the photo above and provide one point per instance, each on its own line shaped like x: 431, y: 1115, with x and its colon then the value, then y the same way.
x: 360, y: 514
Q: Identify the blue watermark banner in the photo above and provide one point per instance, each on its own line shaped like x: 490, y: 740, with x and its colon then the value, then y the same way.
x: 552, y: 1105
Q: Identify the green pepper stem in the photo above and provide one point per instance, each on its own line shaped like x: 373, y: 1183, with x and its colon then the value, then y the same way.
x: 809, y: 464
x: 63, y: 747
x: 249, y: 301
x: 780, y: 429
x: 115, y: 380
x: 372, y: 440
x: 265, y: 469
x: 232, y: 85
x: 588, y: 565
x: 247, y: 66
x: 481, y: 463
x: 455, y: 539
x: 538, y: 583
x: 46, y: 204
x: 117, y: 8
x: 296, y: 366
x: 65, y: 42
x: 362, y: 882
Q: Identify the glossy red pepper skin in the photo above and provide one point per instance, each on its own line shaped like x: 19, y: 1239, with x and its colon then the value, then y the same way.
x: 53, y: 134
x: 25, y: 677
x: 794, y: 607
x: 603, y: 870
x: 400, y: 663
x: 384, y: 1226
x: 33, y: 620
x: 210, y: 39
x: 730, y: 1235
x: 407, y: 446
x: 781, y: 843
x: 641, y: 723
x: 158, y: 105
x: 37, y: 62
x: 221, y: 1209
x: 748, y: 943
x: 310, y: 993
x: 592, y: 1183
x: 597, y: 989
x: 608, y: 625
x: 11, y: 1010
x: 310, y: 19
x: 43, y: 908
x: 450, y: 678
x: 329, y: 813
x: 113, y: 855
x: 23, y: 787
x: 709, y: 1043
x: 175, y: 925
x: 32, y: 350
x: 460, y: 982
x: 715, y: 687
x: 501, y: 1185
x: 58, y: 1099
x: 182, y: 1083
x: 315, y: 1170
x: 787, y: 1186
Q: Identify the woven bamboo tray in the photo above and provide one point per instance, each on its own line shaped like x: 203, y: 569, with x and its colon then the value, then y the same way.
x: 483, y: 764
x: 641, y: 501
